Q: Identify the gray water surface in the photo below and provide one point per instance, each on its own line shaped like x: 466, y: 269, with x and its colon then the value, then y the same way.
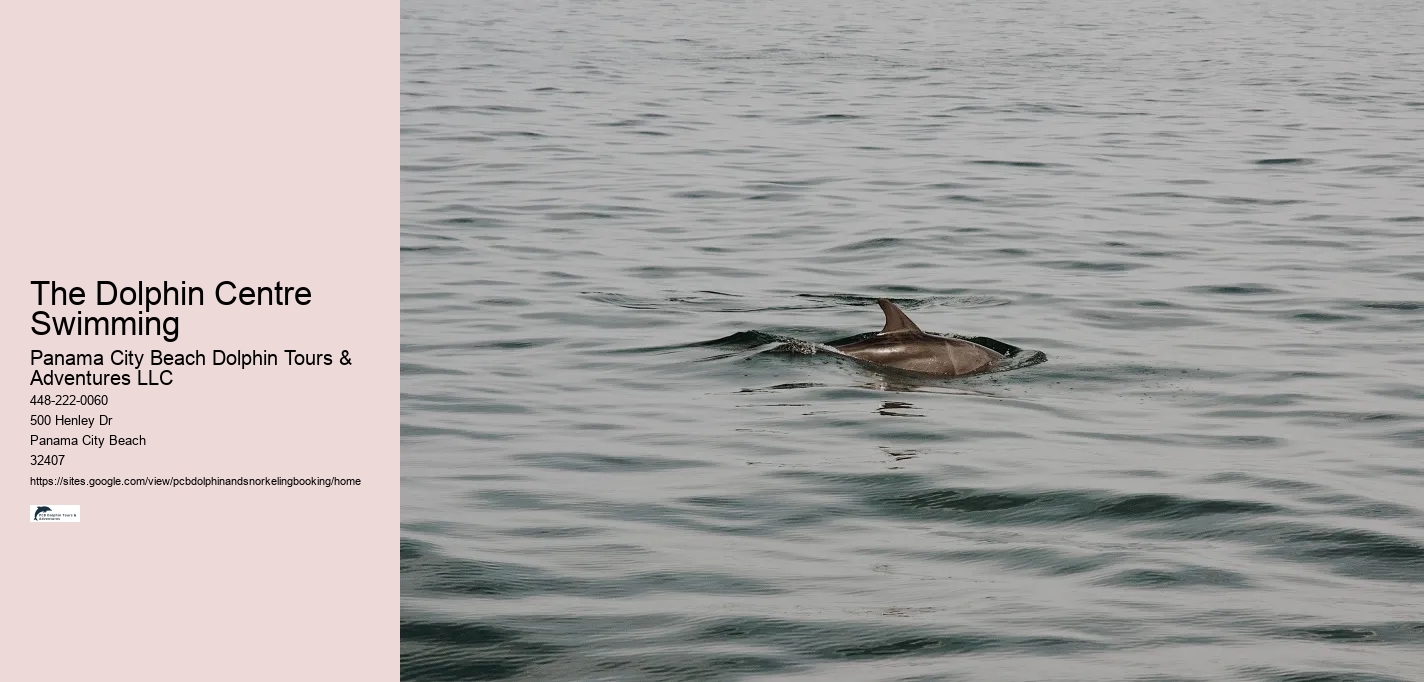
x: 1209, y: 216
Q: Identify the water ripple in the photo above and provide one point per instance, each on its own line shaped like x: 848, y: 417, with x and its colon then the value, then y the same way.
x: 629, y: 228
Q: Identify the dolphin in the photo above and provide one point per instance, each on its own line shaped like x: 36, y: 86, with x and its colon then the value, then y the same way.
x: 902, y: 345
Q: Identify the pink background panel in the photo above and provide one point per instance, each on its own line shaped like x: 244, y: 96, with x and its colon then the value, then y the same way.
x: 253, y: 142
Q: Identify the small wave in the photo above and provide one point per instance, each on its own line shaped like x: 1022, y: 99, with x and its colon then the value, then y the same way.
x: 1235, y: 289
x: 875, y: 243
x: 1017, y: 164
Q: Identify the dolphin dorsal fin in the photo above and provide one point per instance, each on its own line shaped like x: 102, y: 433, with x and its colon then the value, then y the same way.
x: 895, y: 319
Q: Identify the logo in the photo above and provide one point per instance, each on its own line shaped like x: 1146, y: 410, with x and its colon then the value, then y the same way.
x: 52, y: 513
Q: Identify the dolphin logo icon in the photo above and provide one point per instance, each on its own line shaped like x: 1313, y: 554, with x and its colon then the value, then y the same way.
x: 40, y: 510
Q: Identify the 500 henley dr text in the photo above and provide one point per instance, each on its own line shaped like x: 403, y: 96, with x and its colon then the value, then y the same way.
x: 50, y: 293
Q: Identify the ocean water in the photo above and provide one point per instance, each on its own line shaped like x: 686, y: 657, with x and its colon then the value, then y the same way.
x: 1208, y: 215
